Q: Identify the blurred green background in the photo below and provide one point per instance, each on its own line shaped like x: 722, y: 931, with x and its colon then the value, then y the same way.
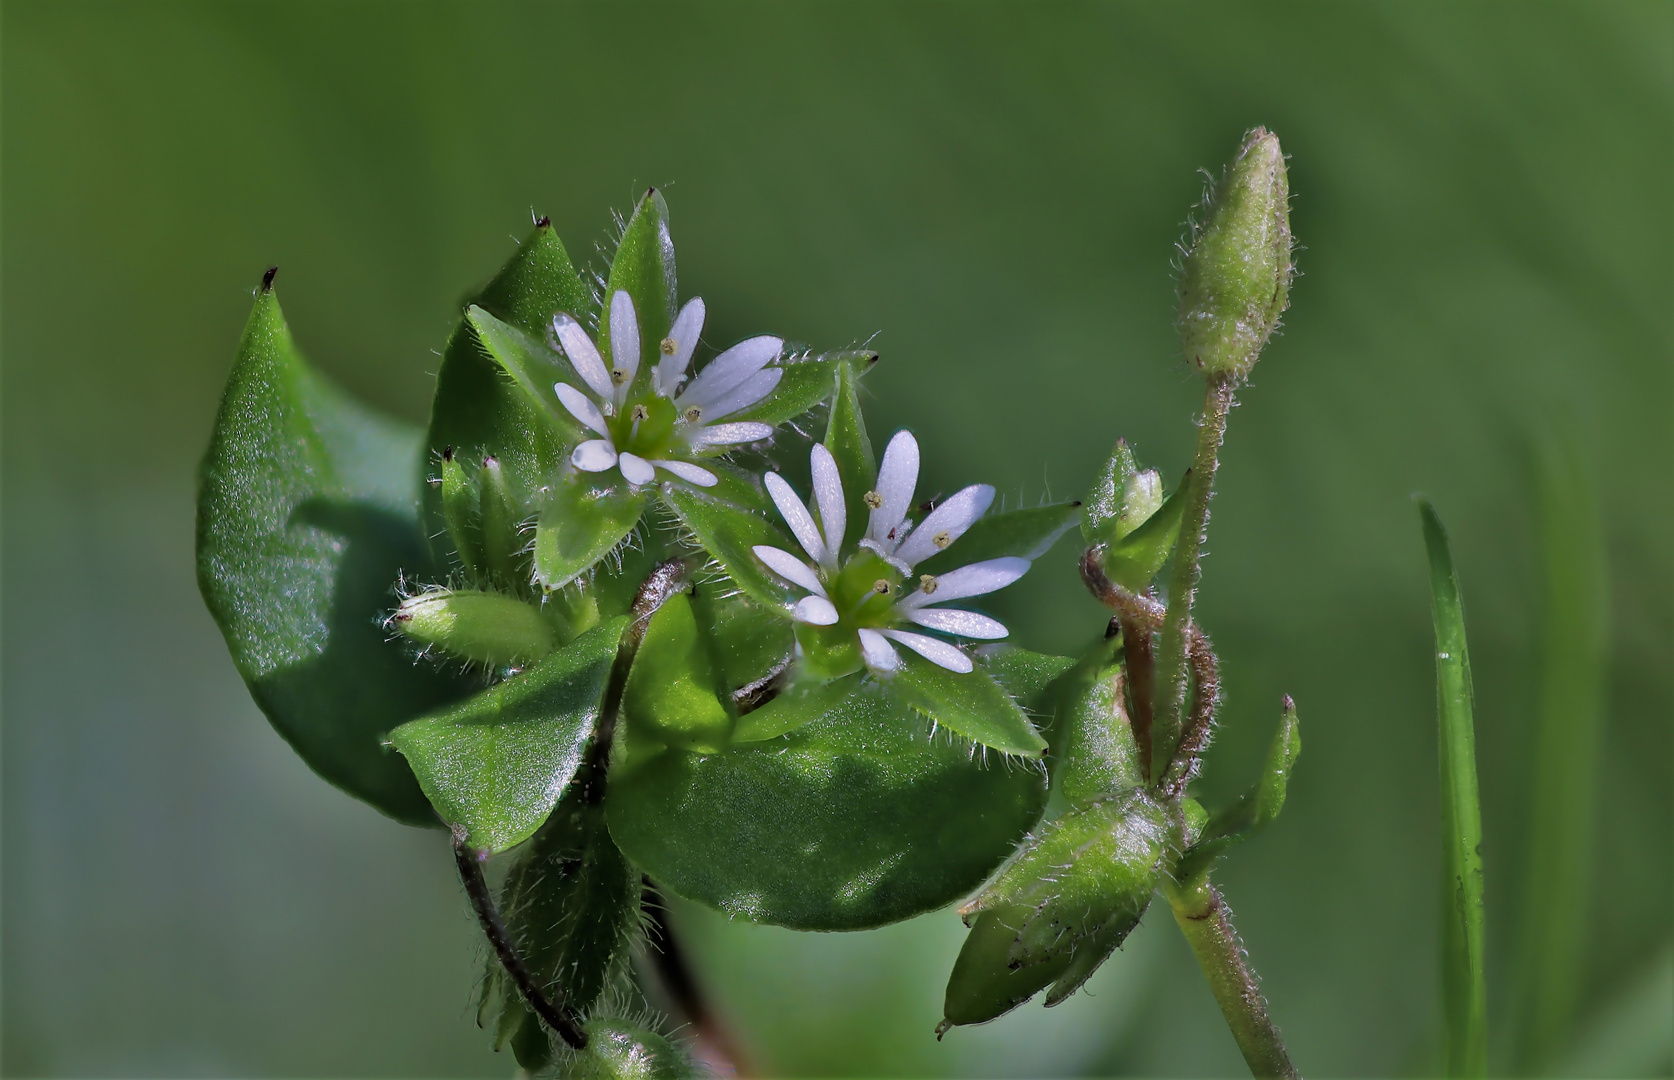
x: 994, y: 192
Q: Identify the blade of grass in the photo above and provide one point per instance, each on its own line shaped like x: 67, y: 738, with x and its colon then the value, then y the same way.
x: 1464, y: 983
x: 1558, y: 865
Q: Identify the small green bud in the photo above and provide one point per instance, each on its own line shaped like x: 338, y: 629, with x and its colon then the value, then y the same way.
x: 482, y: 627
x: 1235, y: 278
x: 459, y: 511
x: 505, y: 554
x: 1123, y: 497
x: 620, y: 1049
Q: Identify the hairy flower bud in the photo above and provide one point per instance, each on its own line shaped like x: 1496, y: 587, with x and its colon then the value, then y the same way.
x: 1235, y: 277
x: 481, y: 627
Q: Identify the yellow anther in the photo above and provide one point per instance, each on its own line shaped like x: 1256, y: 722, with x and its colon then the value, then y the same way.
x: 881, y: 587
x: 667, y: 346
x: 640, y: 412
x: 618, y: 376
x: 872, y: 499
x: 927, y: 583
x: 941, y: 540
x: 693, y: 415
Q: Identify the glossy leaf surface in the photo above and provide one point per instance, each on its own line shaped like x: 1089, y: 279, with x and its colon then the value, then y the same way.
x: 672, y: 694
x: 971, y: 704
x: 619, y: 1049
x: 532, y: 366
x: 805, y: 384
x: 851, y: 447
x: 856, y: 819
x: 498, y: 762
x: 643, y: 267
x: 728, y: 533
x: 583, y: 517
x: 306, y: 515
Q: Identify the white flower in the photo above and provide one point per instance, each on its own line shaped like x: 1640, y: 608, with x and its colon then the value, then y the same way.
x: 642, y: 427
x: 873, y: 592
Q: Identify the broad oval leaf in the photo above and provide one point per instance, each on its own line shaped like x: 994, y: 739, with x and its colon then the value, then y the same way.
x: 307, y: 514
x: 729, y: 532
x: 498, y: 762
x: 858, y: 818
x: 583, y: 517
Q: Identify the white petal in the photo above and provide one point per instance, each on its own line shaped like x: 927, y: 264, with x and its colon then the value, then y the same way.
x: 949, y: 521
x: 692, y: 474
x: 828, y: 494
x: 731, y: 368
x: 976, y: 579
x: 936, y: 651
x: 583, y: 354
x: 897, y: 479
x: 728, y: 434
x: 594, y: 455
x: 789, y: 567
x: 687, y: 328
x: 964, y: 623
x: 744, y: 395
x: 815, y: 610
x: 797, y: 517
x: 624, y: 341
x: 581, y: 407
x: 878, y: 653
x: 636, y: 469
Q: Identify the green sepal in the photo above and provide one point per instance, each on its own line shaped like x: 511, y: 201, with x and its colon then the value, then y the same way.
x: 1092, y: 736
x: 571, y: 904
x: 479, y: 627
x: 671, y: 695
x: 535, y: 369
x: 851, y: 447
x: 728, y: 533
x: 644, y: 268
x: 1259, y: 806
x: 805, y: 384
x: 583, y: 517
x: 626, y: 1049
x: 1101, y: 516
x: 1028, y: 533
x: 477, y: 409
x: 1060, y: 907
x: 497, y: 763
x: 505, y: 553
x: 971, y: 704
x: 459, y: 510
x: 800, y: 703
x: 857, y: 818
x: 306, y: 515
x: 1134, y: 560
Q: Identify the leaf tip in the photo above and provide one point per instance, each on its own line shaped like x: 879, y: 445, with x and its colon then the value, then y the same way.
x: 267, y: 279
x: 543, y: 222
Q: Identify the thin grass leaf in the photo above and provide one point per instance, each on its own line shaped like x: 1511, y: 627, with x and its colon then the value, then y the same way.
x: 1464, y: 983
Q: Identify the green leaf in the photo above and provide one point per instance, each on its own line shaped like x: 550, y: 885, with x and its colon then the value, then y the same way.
x: 747, y: 640
x: 459, y: 510
x: 728, y: 533
x: 805, y: 384
x: 846, y: 438
x: 796, y: 705
x: 972, y: 704
x: 306, y: 517
x: 1464, y: 984
x: 533, y: 367
x: 497, y: 763
x: 478, y: 410
x: 1059, y: 908
x: 1105, y: 515
x: 583, y: 517
x: 1092, y: 736
x: 1029, y: 533
x: 506, y: 555
x: 1252, y: 813
x: 856, y: 819
x: 570, y: 903
x: 1134, y: 560
x: 644, y: 268
x: 671, y: 695
x: 623, y: 1049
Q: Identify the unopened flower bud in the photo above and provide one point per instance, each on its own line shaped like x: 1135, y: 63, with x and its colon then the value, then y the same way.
x: 1235, y: 278
x: 480, y: 627
x: 625, y: 1049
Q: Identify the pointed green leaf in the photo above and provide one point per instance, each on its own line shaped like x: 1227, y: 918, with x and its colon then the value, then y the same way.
x: 583, y: 517
x: 1092, y: 735
x: 644, y: 268
x: 728, y: 533
x: 858, y: 818
x: 796, y: 705
x: 505, y: 549
x: 1102, y: 517
x: 805, y: 384
x: 971, y: 704
x: 306, y: 517
x: 459, y: 510
x: 497, y: 763
x: 533, y: 367
x: 747, y: 639
x: 671, y: 696
x: 1464, y: 984
x: 1259, y: 806
x: 478, y: 409
x: 1029, y: 533
x: 1135, y: 559
x: 1058, y: 909
x: 846, y: 438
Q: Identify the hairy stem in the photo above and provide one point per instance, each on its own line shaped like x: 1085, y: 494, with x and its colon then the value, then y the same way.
x: 1207, y: 923
x: 1172, y: 674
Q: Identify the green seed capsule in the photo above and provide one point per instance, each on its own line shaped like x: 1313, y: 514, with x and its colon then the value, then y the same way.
x: 483, y: 627
x: 1235, y: 280
x: 459, y: 498
x: 623, y: 1050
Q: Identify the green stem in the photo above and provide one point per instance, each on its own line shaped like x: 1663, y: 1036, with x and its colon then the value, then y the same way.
x: 1182, y: 582
x: 1207, y: 923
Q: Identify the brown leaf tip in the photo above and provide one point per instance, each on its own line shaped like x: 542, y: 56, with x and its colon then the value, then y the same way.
x: 543, y: 222
x: 267, y: 278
